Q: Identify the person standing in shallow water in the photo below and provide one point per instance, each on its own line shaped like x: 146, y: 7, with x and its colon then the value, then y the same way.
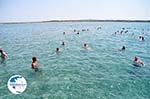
x: 35, y: 64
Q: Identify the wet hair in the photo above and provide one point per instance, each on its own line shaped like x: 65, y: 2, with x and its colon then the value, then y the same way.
x: 1, y: 51
x: 34, y: 59
x: 57, y: 49
x: 123, y: 47
x: 85, y: 45
x: 63, y: 43
x: 135, y: 58
x: 142, y: 38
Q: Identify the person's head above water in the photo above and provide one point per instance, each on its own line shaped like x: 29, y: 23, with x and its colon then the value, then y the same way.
x: 63, y: 43
x: 34, y: 59
x: 1, y: 51
x: 123, y: 47
x: 135, y: 58
x: 142, y: 38
x: 57, y: 49
x: 85, y: 45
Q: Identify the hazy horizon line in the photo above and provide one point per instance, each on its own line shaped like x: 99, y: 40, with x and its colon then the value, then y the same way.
x: 80, y: 20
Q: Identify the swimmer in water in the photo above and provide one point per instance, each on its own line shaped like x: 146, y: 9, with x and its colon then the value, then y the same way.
x: 85, y: 46
x: 3, y: 54
x: 137, y: 62
x: 142, y: 38
x: 63, y: 44
x: 57, y: 50
x: 35, y: 64
x: 123, y: 48
x: 74, y: 30
x: 126, y: 31
x: 78, y: 32
x: 64, y: 33
x: 121, y: 32
x: 123, y: 28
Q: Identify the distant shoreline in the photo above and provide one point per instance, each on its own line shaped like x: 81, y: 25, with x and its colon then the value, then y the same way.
x: 76, y: 21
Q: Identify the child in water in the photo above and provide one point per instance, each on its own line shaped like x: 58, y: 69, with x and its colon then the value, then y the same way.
x: 34, y: 64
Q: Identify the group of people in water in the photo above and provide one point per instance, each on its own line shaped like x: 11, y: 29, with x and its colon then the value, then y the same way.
x: 121, y: 31
x: 141, y: 38
x: 136, y: 60
x: 35, y: 65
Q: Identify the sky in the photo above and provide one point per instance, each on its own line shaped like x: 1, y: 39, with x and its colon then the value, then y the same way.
x: 44, y: 10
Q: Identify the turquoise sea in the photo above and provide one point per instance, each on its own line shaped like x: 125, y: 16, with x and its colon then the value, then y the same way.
x: 103, y: 72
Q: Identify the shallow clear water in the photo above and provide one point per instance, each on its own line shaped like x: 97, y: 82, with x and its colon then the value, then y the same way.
x: 104, y: 72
